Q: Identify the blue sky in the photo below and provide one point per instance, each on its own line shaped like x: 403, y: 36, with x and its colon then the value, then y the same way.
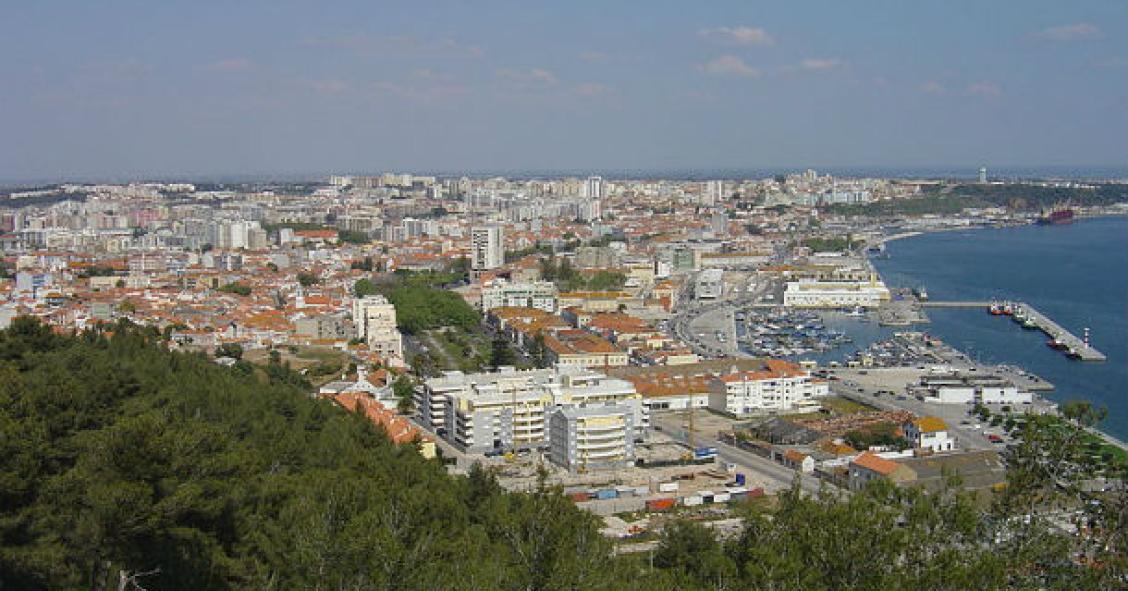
x: 143, y: 88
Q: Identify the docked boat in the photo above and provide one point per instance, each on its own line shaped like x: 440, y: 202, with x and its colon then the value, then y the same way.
x: 1056, y: 343
x: 995, y: 309
x: 1057, y: 215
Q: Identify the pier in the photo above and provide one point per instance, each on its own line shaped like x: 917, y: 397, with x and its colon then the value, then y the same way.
x: 1070, y: 343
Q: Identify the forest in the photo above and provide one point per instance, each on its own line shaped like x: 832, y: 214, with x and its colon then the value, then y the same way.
x: 124, y: 465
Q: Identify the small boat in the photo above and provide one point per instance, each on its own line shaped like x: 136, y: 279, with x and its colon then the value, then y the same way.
x: 1029, y: 324
x: 1008, y: 309
x: 995, y: 309
x: 1056, y: 343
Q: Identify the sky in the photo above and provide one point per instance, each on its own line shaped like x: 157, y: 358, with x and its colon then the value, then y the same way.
x: 145, y: 89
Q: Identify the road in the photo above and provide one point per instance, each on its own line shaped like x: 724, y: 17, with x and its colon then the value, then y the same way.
x: 671, y: 424
x: 706, y: 318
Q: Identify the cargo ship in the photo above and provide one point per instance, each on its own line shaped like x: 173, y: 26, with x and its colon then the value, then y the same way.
x: 1059, y: 214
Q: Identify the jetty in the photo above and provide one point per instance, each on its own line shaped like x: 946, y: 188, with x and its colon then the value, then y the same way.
x: 1073, y: 345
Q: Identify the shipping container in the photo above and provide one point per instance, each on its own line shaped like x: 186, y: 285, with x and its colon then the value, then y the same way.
x: 668, y: 487
x: 580, y: 496
x: 692, y: 501
x: 706, y: 496
x: 607, y: 493
x: 625, y: 491
x: 642, y: 491
x: 722, y: 497
x: 756, y: 493
x: 664, y: 504
x: 740, y: 479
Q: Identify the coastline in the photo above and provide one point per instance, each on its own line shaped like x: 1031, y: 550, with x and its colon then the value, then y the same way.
x: 1119, y: 213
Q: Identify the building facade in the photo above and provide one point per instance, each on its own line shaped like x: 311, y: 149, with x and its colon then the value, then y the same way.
x: 509, y: 409
x: 374, y: 319
x: 541, y: 295
x: 777, y: 386
x: 487, y: 248
x: 835, y: 294
x: 593, y: 437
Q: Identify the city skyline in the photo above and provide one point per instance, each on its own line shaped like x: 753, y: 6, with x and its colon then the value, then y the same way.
x: 129, y: 90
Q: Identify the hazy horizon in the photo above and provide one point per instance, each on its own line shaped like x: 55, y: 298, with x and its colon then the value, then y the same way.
x: 136, y: 90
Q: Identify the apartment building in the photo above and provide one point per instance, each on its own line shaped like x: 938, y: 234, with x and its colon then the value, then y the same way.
x: 509, y: 409
x: 776, y: 386
x: 487, y: 248
x: 534, y: 294
x: 374, y: 319
x: 592, y: 437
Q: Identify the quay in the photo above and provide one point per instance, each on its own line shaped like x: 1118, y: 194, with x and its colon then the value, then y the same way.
x: 1070, y: 343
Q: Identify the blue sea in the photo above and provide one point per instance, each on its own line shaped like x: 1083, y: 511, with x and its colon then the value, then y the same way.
x: 1077, y: 274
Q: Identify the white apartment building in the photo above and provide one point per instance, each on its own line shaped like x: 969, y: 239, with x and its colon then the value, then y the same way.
x: 509, y: 409
x: 374, y: 318
x: 778, y: 386
x: 487, y: 247
x: 835, y: 294
x: 592, y: 437
x: 593, y: 187
x: 536, y: 294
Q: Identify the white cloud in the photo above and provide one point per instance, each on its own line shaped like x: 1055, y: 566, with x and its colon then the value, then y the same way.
x: 984, y: 89
x: 399, y: 45
x: 328, y: 86
x: 933, y: 87
x: 235, y: 64
x: 739, y: 35
x: 592, y: 89
x: 821, y: 63
x: 529, y: 78
x: 729, y: 65
x: 1077, y: 32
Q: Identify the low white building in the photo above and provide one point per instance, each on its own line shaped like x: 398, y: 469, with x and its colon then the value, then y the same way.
x: 810, y: 293
x: 955, y: 394
x: 499, y: 293
x: 1004, y: 395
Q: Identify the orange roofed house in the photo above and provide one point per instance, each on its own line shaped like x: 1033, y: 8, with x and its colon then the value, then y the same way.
x: 399, y: 429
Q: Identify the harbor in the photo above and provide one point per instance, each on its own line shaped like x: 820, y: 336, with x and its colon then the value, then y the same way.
x: 1030, y: 317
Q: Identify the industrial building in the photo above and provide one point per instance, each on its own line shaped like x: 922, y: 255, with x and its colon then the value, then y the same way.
x: 836, y: 294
